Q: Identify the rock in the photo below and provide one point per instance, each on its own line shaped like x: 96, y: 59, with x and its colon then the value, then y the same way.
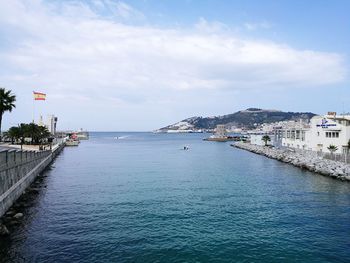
x: 10, y: 213
x: 18, y: 216
x: 3, y: 230
x: 33, y: 190
x: 13, y: 223
x: 305, y: 160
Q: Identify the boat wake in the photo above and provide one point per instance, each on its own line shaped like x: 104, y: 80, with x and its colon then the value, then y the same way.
x: 121, y: 137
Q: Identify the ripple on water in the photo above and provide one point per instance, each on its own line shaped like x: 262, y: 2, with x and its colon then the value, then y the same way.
x: 141, y: 199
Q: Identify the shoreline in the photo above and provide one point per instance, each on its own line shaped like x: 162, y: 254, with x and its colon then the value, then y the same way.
x: 306, y: 160
x: 20, y: 171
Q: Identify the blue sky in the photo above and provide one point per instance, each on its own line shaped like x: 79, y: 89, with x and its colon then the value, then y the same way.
x: 143, y: 64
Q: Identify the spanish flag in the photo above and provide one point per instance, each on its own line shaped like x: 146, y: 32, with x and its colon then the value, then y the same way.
x: 39, y: 95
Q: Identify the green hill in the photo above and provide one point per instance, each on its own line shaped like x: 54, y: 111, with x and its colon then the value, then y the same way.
x: 248, y: 119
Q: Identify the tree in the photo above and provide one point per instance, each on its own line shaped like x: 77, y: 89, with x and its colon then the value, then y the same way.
x: 332, y: 148
x: 36, y: 132
x: 17, y: 133
x: 266, y: 139
x: 42, y: 134
x: 22, y: 132
x: 13, y: 133
x: 7, y: 103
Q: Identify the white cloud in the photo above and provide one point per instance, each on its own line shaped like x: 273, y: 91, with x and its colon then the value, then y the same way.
x: 210, y: 27
x: 117, y: 9
x: 256, y: 26
x: 72, y: 50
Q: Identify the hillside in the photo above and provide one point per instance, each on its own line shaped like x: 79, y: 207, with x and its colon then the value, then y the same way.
x: 247, y: 119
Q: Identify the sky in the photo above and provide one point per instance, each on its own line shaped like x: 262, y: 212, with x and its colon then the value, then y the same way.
x: 139, y: 65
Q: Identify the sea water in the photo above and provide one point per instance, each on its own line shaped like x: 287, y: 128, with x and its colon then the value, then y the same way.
x: 139, y: 197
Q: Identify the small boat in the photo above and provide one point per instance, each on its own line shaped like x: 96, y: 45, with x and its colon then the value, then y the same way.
x: 71, y: 142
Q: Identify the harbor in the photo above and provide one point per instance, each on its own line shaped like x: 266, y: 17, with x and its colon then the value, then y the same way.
x: 193, y: 200
x: 179, y: 131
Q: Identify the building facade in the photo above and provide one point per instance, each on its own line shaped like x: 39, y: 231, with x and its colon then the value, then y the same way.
x: 256, y: 138
x: 275, y: 131
x: 322, y: 131
x: 51, y: 123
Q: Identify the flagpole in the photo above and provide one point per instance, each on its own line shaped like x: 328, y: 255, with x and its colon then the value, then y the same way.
x: 33, y: 116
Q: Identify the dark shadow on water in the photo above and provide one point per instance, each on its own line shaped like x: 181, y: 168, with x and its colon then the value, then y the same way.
x: 26, y: 204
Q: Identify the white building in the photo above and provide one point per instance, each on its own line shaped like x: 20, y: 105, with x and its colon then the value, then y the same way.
x: 256, y: 138
x: 322, y: 131
x: 274, y: 130
x: 51, y: 123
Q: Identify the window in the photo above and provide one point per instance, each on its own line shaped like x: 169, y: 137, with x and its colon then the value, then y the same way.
x: 293, y: 135
x: 332, y: 134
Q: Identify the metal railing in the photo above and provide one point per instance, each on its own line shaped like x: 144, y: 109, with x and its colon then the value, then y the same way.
x: 338, y: 157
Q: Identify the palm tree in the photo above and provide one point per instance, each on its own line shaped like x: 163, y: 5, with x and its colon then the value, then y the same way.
x: 14, y: 133
x: 266, y: 139
x: 17, y: 133
x: 23, y: 131
x: 332, y: 148
x: 36, y: 132
x: 42, y: 134
x: 7, y: 103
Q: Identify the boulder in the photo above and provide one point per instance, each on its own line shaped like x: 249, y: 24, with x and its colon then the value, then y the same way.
x: 10, y: 213
x: 18, y: 216
x: 306, y: 160
x: 3, y: 230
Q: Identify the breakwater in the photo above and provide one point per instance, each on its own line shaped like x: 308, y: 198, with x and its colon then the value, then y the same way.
x: 18, y: 169
x: 305, y: 160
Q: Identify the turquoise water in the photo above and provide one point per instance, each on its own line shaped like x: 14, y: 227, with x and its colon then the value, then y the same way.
x: 143, y: 199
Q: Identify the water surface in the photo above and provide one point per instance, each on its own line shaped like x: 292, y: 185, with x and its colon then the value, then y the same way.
x: 142, y: 199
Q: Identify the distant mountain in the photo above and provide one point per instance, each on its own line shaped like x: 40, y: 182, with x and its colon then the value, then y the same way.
x: 246, y: 119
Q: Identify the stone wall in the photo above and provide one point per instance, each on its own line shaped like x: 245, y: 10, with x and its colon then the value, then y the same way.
x: 305, y: 160
x: 18, y: 169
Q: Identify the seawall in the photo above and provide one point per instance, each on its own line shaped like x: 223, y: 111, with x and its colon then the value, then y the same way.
x: 18, y: 169
x: 306, y: 160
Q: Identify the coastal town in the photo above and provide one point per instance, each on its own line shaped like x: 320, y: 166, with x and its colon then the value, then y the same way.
x: 317, y: 143
x: 321, y: 145
x: 181, y: 131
